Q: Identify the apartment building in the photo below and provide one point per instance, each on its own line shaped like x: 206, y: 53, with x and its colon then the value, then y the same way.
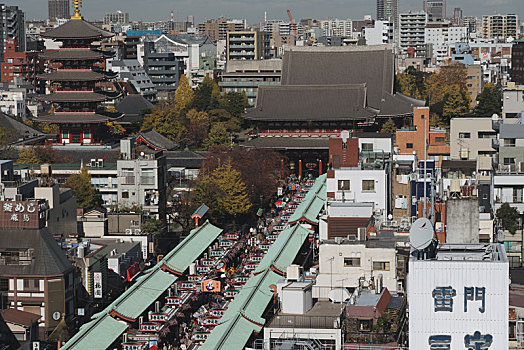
x: 118, y: 17
x: 247, y: 45
x: 411, y: 33
x: 336, y: 27
x: 387, y: 10
x: 436, y: 9
x: 382, y: 32
x: 12, y: 20
x: 471, y: 137
x: 441, y: 35
x: 217, y: 29
x: 500, y: 26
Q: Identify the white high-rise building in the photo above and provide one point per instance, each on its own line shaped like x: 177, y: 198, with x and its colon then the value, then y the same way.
x: 387, y: 10
x: 412, y: 26
x: 337, y: 27
x: 441, y: 35
x: 380, y: 33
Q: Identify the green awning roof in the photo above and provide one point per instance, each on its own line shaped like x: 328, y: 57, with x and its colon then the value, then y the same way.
x: 312, y: 204
x: 146, y: 290
x: 97, y: 334
x: 244, y: 314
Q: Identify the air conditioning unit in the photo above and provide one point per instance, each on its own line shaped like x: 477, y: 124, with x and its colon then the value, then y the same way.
x: 129, y: 231
x: 100, y: 163
x: 138, y: 231
x: 93, y: 163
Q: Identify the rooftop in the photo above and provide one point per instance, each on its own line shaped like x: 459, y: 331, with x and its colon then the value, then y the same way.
x: 489, y: 252
x: 322, y: 315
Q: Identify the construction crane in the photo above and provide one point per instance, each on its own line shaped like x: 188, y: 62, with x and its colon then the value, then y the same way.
x: 292, y: 23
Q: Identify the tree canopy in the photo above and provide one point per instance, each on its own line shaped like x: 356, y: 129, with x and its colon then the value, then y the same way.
x: 218, y: 136
x: 389, y: 126
x: 508, y: 217
x: 86, y: 196
x: 184, y: 95
x: 489, y: 101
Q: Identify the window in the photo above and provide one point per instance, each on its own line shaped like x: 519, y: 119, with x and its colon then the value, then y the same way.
x: 4, y: 284
x: 464, y: 135
x: 368, y: 185
x: 509, y: 142
x: 351, y: 262
x: 487, y: 135
x: 409, y: 145
x: 509, y: 161
x: 439, y: 139
x: 381, y: 265
x: 125, y: 194
x: 65, y: 134
x: 31, y: 284
x: 343, y: 185
x: 367, y: 147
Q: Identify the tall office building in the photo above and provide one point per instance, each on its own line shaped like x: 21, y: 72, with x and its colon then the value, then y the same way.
x: 12, y: 21
x: 411, y: 33
x: 58, y: 9
x: 457, y: 16
x: 436, y: 9
x: 117, y: 17
x: 499, y: 26
x: 387, y: 10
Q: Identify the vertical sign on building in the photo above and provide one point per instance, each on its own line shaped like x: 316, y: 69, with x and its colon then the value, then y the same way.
x: 97, y: 286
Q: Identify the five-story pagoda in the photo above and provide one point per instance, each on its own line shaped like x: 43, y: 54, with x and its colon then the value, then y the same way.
x: 72, y: 82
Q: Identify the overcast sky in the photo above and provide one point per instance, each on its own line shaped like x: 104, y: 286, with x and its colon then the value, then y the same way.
x: 253, y: 10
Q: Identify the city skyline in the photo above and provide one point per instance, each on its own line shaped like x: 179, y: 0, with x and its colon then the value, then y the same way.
x: 254, y: 12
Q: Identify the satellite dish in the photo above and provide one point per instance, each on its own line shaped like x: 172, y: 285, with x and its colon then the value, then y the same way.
x: 421, y: 234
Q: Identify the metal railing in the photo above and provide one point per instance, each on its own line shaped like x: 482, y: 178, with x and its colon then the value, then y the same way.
x: 297, y: 321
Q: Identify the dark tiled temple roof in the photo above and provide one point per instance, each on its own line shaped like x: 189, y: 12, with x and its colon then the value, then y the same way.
x: 48, y: 257
x: 371, y: 65
x: 82, y: 118
x: 77, y: 29
x: 72, y: 75
x: 327, y: 102
x: 156, y: 140
x: 68, y: 54
x: 311, y: 75
x: 185, y: 159
x: 21, y: 132
x: 79, y: 96
x: 131, y: 106
x: 288, y: 143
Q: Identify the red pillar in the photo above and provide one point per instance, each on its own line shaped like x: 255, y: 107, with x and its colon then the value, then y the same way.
x: 282, y: 168
x: 320, y: 167
x: 300, y: 169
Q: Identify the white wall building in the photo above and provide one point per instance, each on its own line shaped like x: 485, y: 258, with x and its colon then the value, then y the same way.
x: 460, y: 299
x: 381, y: 33
x: 337, y: 27
x: 441, y: 36
x: 360, y: 186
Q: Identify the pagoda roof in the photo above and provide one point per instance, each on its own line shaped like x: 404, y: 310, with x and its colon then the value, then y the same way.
x: 77, y: 29
x: 74, y: 54
x: 72, y: 75
x: 75, y: 118
x: 76, y: 96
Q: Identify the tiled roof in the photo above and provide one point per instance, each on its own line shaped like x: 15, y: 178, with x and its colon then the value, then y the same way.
x: 313, y: 102
x: 77, y: 54
x: 49, y: 259
x: 133, y: 104
x: 157, y: 140
x: 22, y: 318
x: 21, y: 132
x: 79, y: 96
x: 66, y: 118
x: 76, y: 29
x: 72, y: 75
x: 288, y: 143
x: 97, y: 334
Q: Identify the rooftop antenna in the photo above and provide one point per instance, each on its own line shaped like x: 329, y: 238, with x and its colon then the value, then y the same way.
x: 421, y: 235
x: 265, y: 16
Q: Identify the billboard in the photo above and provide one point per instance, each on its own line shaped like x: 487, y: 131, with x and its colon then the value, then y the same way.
x: 97, y: 285
x: 22, y: 214
x: 458, y: 304
x: 210, y: 286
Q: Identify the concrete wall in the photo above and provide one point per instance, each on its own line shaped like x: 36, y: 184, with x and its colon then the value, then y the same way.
x: 303, y: 333
x: 331, y: 262
x: 462, y: 221
x: 468, y: 148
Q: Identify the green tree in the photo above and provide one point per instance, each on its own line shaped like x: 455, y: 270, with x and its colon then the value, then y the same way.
x: 207, y: 95
x: 233, y: 198
x: 163, y: 118
x: 86, y: 196
x: 489, y: 101
x: 455, y: 104
x: 508, y: 217
x: 49, y: 128
x: 153, y: 226
x: 218, y: 136
x: 183, y: 96
x: 6, y: 137
x: 27, y: 155
x: 235, y: 103
x: 232, y: 124
x: 197, y: 128
x: 389, y: 126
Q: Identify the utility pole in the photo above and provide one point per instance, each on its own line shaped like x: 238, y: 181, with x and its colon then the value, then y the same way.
x: 425, y: 158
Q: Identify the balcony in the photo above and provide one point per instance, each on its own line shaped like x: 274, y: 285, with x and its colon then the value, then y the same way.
x: 242, y: 47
